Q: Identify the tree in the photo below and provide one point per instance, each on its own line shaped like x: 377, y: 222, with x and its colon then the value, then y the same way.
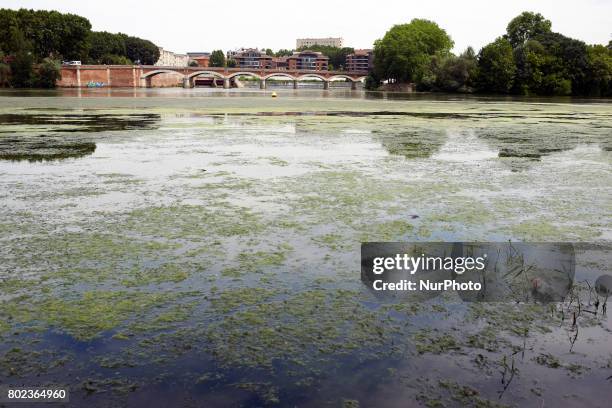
x: 372, y: 82
x: 217, y: 59
x: 231, y: 63
x: 49, y: 71
x: 269, y: 52
x: 50, y: 33
x: 113, y: 59
x: 121, y: 49
x: 567, y: 60
x: 530, y: 59
x: 104, y: 44
x: 8, y: 25
x: 452, y: 73
x: 21, y: 64
x: 496, y: 67
x: 22, y: 71
x: 283, y: 53
x: 404, y: 54
x: 72, y: 36
x: 526, y: 26
x: 140, y: 50
x: 5, y: 71
x: 599, y: 71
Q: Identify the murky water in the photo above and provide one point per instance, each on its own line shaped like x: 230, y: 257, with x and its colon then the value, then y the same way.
x: 201, y: 248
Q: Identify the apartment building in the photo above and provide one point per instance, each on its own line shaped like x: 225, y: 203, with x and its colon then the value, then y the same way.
x: 359, y: 61
x: 251, y: 58
x: 329, y: 42
x: 201, y: 58
x: 308, y: 60
x: 171, y: 59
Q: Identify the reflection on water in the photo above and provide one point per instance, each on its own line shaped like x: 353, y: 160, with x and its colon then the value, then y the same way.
x: 205, y: 247
x: 47, y: 150
x: 40, y: 137
x: 80, y: 122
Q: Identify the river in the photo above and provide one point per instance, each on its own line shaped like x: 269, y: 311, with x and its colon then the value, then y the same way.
x: 200, y: 247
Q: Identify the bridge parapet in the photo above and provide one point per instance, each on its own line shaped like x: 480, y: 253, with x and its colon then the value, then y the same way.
x: 140, y: 75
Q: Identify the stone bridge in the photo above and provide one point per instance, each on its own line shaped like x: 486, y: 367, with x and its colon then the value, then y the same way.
x: 141, y: 76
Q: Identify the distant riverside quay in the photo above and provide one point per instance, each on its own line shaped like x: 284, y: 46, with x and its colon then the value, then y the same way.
x: 139, y: 76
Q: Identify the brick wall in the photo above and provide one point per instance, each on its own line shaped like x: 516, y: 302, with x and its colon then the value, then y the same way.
x: 166, y: 80
x: 115, y: 77
x: 109, y: 76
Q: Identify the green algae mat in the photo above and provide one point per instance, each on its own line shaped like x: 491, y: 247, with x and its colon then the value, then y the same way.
x: 204, y: 250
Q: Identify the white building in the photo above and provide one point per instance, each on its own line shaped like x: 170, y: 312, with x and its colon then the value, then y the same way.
x: 171, y: 59
x: 329, y: 42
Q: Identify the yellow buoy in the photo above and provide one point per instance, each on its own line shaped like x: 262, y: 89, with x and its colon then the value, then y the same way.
x: 274, y: 94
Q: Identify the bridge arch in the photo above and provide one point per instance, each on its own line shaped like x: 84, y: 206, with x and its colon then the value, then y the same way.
x: 350, y: 78
x: 244, y: 73
x: 150, y: 74
x: 212, y: 73
x: 280, y: 75
x: 305, y: 76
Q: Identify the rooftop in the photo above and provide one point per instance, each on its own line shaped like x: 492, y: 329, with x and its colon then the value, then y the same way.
x: 317, y: 53
x: 362, y: 52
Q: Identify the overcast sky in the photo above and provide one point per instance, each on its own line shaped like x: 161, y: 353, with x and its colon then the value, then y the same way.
x: 199, y: 25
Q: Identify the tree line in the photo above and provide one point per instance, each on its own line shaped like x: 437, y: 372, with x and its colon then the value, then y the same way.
x: 34, y: 42
x: 529, y: 59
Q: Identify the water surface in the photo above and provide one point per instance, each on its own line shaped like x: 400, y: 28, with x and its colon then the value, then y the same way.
x: 202, y: 247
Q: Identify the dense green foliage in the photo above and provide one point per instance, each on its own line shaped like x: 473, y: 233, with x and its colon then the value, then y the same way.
x: 496, y: 67
x: 337, y: 56
x: 450, y: 73
x: 105, y: 46
x: 529, y: 59
x: 34, y: 41
x: 5, y: 71
x: 548, y: 63
x: 48, y: 73
x: 140, y: 51
x: 599, y: 75
x: 22, y: 69
x: 525, y: 27
x: 283, y: 53
x: 405, y: 53
x: 217, y: 59
x: 50, y: 33
x: 120, y: 49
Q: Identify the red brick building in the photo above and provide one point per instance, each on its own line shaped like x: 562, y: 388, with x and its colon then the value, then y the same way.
x: 202, y: 61
x: 202, y: 58
x: 279, y: 63
x: 252, y: 58
x: 359, y: 61
x: 308, y: 60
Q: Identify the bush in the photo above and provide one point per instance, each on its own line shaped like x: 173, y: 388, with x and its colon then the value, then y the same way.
x: 5, y: 71
x: 22, y: 72
x: 49, y: 72
x: 371, y: 82
x: 112, y: 59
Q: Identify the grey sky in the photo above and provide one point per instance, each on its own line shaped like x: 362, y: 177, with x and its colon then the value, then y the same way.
x: 192, y: 25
